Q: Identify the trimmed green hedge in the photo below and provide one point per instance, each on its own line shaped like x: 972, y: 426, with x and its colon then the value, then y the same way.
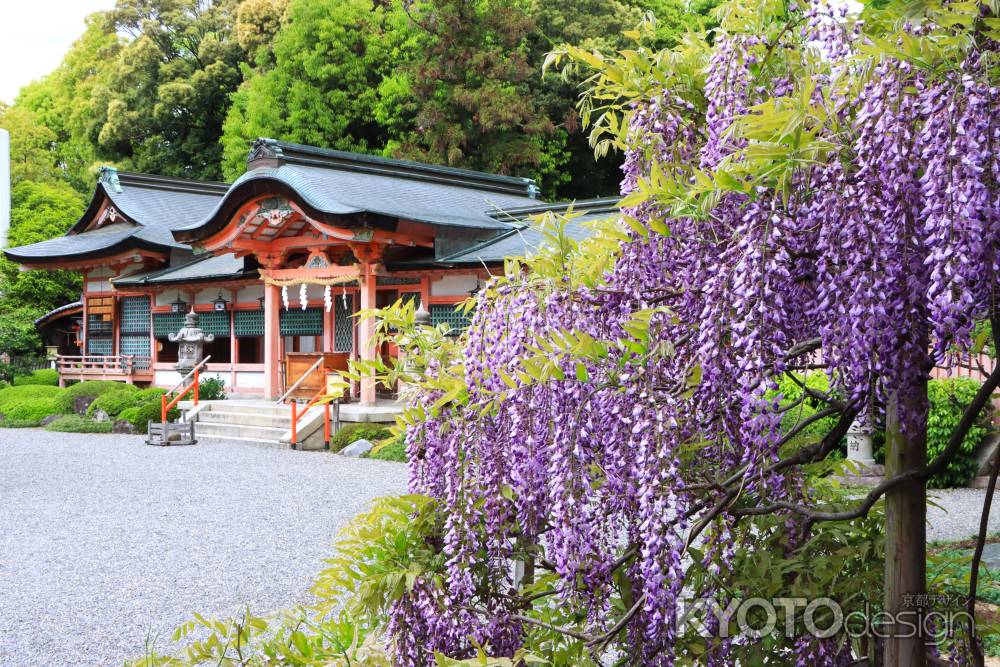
x: 44, y: 376
x: 78, y: 424
x: 113, y: 402
x: 93, y: 388
x: 348, y: 433
x: 140, y: 415
x: 27, y: 405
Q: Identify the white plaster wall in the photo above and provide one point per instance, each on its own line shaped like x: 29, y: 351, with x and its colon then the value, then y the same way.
x: 166, y: 379
x: 207, y: 296
x: 452, y: 285
x: 248, y: 294
x: 168, y: 297
x: 98, y: 285
x: 249, y: 380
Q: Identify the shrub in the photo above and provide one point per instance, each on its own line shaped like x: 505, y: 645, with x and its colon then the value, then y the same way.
x: 78, y: 424
x: 92, y: 388
x: 44, y: 376
x: 212, y: 389
x: 34, y: 410
x: 113, y: 402
x: 391, y: 451
x: 140, y: 415
x: 150, y: 394
x: 348, y: 433
x: 949, y: 398
x: 27, y: 405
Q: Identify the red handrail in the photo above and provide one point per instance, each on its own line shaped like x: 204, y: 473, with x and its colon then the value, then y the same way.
x: 296, y: 416
x: 165, y: 407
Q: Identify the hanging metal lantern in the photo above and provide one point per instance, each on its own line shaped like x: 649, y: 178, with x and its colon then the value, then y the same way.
x: 219, y: 303
x: 178, y: 306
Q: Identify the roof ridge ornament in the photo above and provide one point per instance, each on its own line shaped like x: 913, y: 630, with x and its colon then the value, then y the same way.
x: 109, y: 175
x: 264, y: 149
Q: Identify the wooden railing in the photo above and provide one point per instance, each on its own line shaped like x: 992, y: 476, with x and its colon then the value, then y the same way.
x: 92, y: 364
x: 331, y: 414
x: 165, y: 406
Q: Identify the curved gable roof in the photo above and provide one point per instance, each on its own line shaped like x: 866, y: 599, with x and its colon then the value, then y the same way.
x: 331, y: 184
x: 146, y: 210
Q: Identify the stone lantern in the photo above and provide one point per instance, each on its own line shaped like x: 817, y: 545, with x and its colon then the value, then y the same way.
x: 191, y: 340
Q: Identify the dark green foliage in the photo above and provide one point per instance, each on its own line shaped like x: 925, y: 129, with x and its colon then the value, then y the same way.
x: 212, y: 389
x: 93, y: 388
x: 348, y: 433
x: 140, y: 415
x: 79, y: 424
x: 44, y: 376
x: 948, y: 399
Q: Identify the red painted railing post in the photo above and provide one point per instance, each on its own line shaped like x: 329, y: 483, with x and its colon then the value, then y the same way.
x: 326, y: 425
x: 163, y: 408
x: 196, y: 386
x: 295, y: 419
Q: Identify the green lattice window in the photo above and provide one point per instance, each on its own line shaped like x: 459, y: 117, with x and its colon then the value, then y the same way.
x: 396, y: 280
x: 343, y: 324
x: 215, y: 322
x: 135, y: 315
x: 135, y: 345
x: 450, y: 315
x: 167, y: 323
x: 100, y: 346
x: 248, y: 322
x: 298, y: 322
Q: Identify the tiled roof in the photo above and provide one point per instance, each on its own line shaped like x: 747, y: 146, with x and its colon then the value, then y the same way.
x: 67, y: 309
x: 202, y: 267
x: 524, y: 239
x: 150, y: 207
x: 333, y: 183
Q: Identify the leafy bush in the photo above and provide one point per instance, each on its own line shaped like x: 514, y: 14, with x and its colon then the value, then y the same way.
x: 45, y: 376
x: 140, y: 415
x: 78, y: 424
x: 212, y: 389
x: 390, y: 451
x: 348, y: 433
x: 92, y: 388
x: 949, y: 398
x: 27, y: 405
x: 791, y: 392
x: 113, y: 402
x: 150, y: 394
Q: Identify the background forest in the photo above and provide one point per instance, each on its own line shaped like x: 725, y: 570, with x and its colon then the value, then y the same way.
x: 181, y: 88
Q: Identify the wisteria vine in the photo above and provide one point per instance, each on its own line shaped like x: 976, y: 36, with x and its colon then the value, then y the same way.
x: 881, y: 246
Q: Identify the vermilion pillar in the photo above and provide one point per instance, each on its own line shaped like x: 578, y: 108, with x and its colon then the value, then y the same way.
x: 272, y: 341
x: 366, y: 330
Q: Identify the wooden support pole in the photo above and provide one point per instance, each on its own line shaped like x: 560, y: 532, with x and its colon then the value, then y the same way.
x: 905, y: 513
x: 366, y: 331
x: 272, y: 341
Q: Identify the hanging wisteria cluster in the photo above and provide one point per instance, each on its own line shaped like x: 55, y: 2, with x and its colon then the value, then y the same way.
x: 881, y: 246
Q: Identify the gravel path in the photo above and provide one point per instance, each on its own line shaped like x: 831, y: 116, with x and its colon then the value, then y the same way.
x: 105, y: 541
x: 957, y: 514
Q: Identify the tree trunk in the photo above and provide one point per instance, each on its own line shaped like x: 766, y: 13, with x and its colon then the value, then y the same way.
x: 905, y: 516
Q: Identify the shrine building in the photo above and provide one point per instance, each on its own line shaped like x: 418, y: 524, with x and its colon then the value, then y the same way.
x: 277, y: 263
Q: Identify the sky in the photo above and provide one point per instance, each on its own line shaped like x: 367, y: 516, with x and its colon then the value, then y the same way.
x: 34, y: 35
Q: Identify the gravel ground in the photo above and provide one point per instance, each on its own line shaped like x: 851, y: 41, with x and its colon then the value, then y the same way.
x: 954, y: 514
x: 105, y: 542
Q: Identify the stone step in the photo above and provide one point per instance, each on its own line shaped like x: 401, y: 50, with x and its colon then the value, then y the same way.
x: 217, y: 430
x: 268, y: 444
x: 220, y: 416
